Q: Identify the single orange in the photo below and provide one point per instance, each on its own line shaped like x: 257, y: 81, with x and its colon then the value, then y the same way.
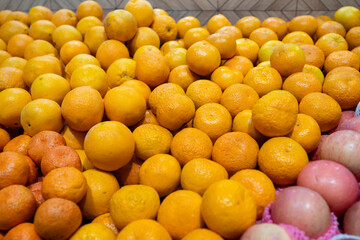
x: 18, y: 144
x: 298, y: 37
x: 276, y: 24
x: 144, y: 36
x: 225, y: 76
x: 313, y: 55
x: 65, y: 33
x: 331, y: 42
x: 17, y: 44
x: 348, y: 16
x: 182, y: 76
x: 231, y: 31
x: 330, y: 27
x: 64, y: 17
x: 165, y: 27
x: 340, y: 59
x: 204, y: 91
x: 94, y: 38
x: 262, y: 35
x: 25, y: 231
x: 142, y: 11
x: 109, y: 51
x: 11, y: 28
x: 39, y: 13
x: 247, y: 48
x: 42, y: 29
x: 89, y: 8
x: 240, y: 63
x: 176, y: 57
x: 352, y: 37
x: 305, y: 23
x: 224, y: 43
x: 39, y: 48
x: 14, y: 169
x: 71, y: 49
x: 86, y: 23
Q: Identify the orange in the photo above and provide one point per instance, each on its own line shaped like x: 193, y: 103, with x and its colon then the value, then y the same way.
x: 203, y: 58
x: 199, y: 173
x: 11, y: 28
x: 39, y: 48
x: 94, y: 37
x: 86, y: 23
x: 224, y: 43
x: 41, y: 114
x: 25, y: 231
x: 120, y: 71
x: 89, y: 8
x: 330, y: 27
x: 186, y: 23
x: 238, y: 97
x: 263, y: 80
x: 160, y: 11
x: 133, y: 202
x: 64, y: 182
x: 14, y: 169
x: 247, y: 25
x: 176, y: 57
x: 3, y: 44
x: 139, y: 86
x: 165, y: 27
x: 71, y: 49
x: 101, y: 187
x: 4, y: 138
x: 78, y: 61
x: 282, y: 159
x: 323, y: 108
x: 149, y: 118
x: 120, y: 25
x: 65, y: 33
x: 42, y: 29
x: 82, y: 108
x: 240, y: 63
x: 191, y: 143
x: 169, y: 45
x: 107, y: 221
x: 228, y: 208
x: 298, y: 37
x: 276, y: 24
x: 145, y: 48
x: 225, y: 76
x: 162, y: 92
x: 143, y: 36
x: 300, y: 84
x: 352, y: 37
x: 341, y: 58
x: 202, y: 233
x: 39, y: 13
x: 260, y: 186
x: 151, y: 139
x: 216, y: 22
x: 180, y: 213
x: 343, y: 86
x: 17, y: 44
x: 182, y: 76
x: 109, y: 51
x: 306, y: 132
x: 313, y: 55
x: 124, y: 104
x: 73, y: 138
x: 161, y: 172
x: 267, y: 49
x: 33, y: 173
x: 348, y: 16
x: 322, y: 18
x: 194, y: 35
x: 3, y: 15
x: 262, y: 35
x: 65, y: 218
x: 275, y: 113
x: 15, y: 62
x: 151, y: 68
x: 11, y: 78
x: 247, y: 48
x: 144, y: 229
x: 213, y: 119
x: 204, y: 91
x: 305, y: 23
x: 314, y: 70
x: 4, y: 55
x: 90, y: 75
x: 129, y: 174
x: 174, y: 111
x: 42, y: 142
x: 287, y: 58
x: 50, y: 86
x: 58, y: 157
x: 142, y: 11
x: 231, y: 31
x: 17, y: 206
x: 109, y: 145
x: 64, y: 17
x: 331, y: 42
x: 235, y: 151
x: 40, y: 65
x: 243, y: 123
x: 18, y: 16
x: 93, y: 230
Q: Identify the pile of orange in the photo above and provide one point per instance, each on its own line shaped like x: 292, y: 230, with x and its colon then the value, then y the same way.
x: 136, y: 126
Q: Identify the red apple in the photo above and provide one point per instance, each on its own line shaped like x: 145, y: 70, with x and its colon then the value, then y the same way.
x: 351, y: 220
x: 302, y: 208
x: 350, y: 124
x: 315, y: 155
x: 335, y: 183
x: 265, y: 231
x: 343, y: 147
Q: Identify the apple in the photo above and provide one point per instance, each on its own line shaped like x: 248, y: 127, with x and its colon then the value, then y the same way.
x: 345, y: 115
x: 315, y: 155
x: 265, y: 231
x: 334, y: 182
x: 302, y: 208
x: 357, y: 110
x: 343, y: 147
x: 350, y: 124
x: 351, y: 220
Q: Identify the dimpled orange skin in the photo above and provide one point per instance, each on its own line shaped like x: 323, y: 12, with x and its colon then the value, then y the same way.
x: 120, y: 25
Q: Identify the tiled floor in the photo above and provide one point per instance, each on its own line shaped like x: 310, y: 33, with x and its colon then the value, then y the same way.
x: 204, y: 9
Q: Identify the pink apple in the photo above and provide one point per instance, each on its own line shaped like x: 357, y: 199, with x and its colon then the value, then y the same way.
x: 334, y: 182
x: 350, y: 124
x: 343, y: 147
x: 265, y: 231
x: 345, y: 115
x: 315, y: 155
x: 302, y: 208
x: 351, y: 220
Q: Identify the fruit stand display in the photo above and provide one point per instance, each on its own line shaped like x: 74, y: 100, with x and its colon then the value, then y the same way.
x: 132, y: 125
